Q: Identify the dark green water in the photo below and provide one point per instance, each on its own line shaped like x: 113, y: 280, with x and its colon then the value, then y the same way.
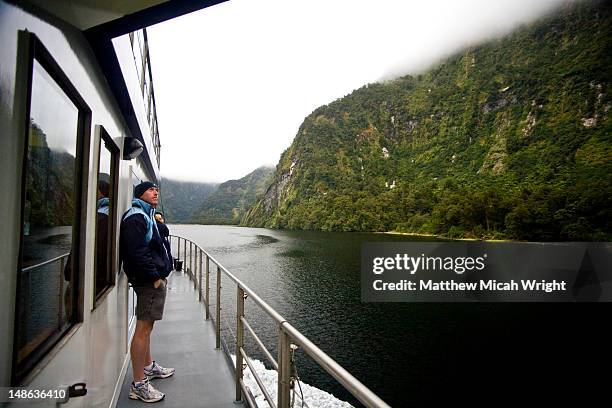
x: 410, y: 354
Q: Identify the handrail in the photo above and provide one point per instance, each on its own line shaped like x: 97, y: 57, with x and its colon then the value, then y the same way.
x: 259, y: 343
x: 286, y: 333
x: 267, y: 308
x: 257, y: 379
x: 57, y: 258
x: 360, y: 391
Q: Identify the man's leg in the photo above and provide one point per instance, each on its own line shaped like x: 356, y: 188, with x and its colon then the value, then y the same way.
x: 140, y: 344
x: 148, y: 358
x: 141, y: 348
x: 157, y: 311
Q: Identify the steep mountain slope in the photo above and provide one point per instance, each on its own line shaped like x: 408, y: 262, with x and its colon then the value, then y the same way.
x: 511, y: 139
x: 181, y: 199
x: 50, y: 183
x: 231, y: 199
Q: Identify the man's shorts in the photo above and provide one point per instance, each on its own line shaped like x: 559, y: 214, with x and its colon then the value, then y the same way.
x: 150, y: 301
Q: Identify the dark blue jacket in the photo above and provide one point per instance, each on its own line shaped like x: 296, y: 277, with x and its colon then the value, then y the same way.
x: 164, y: 232
x: 141, y: 248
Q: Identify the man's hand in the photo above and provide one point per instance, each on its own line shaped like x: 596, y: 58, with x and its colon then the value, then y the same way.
x: 157, y: 283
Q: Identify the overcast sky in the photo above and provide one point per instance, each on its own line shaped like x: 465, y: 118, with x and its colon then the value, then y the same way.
x: 233, y: 82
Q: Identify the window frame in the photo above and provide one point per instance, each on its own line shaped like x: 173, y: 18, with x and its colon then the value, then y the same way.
x: 31, y: 49
x: 106, y: 142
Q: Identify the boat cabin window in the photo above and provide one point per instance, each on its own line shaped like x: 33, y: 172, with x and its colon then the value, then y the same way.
x: 105, y: 215
x: 48, y: 288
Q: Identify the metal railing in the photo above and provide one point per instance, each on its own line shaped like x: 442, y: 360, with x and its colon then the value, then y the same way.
x: 62, y: 264
x: 288, y: 337
x: 47, y: 262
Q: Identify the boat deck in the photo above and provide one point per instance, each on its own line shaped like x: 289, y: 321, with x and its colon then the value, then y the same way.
x: 184, y: 340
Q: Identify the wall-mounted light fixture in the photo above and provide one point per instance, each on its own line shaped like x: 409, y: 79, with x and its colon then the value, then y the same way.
x: 131, y: 148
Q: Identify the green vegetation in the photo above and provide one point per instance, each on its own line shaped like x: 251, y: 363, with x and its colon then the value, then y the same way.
x: 509, y: 139
x: 180, y: 199
x: 231, y: 199
x: 50, y: 183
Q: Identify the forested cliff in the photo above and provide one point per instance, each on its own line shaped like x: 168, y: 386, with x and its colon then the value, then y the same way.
x: 508, y: 139
x: 231, y: 199
x: 181, y: 199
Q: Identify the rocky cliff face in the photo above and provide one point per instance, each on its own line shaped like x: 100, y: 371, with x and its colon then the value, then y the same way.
x: 508, y: 139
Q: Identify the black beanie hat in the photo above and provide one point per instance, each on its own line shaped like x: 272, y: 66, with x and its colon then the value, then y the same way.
x: 140, y: 189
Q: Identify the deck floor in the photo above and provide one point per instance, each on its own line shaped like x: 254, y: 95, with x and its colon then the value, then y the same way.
x: 184, y: 340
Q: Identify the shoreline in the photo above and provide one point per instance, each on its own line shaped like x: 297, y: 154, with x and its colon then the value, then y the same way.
x: 417, y: 234
x: 412, y: 234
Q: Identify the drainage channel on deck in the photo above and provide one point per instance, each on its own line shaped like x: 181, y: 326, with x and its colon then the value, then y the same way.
x: 185, y: 341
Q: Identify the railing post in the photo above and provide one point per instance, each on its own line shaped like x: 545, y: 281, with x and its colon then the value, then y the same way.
x: 178, y: 249
x: 207, y: 299
x: 218, y: 322
x: 200, y: 271
x: 195, y: 267
x: 61, y: 294
x: 185, y: 254
x: 284, y: 388
x: 239, y: 340
x: 190, y: 260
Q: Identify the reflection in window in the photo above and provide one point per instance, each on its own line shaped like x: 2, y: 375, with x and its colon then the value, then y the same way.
x: 44, y: 298
x: 104, y: 214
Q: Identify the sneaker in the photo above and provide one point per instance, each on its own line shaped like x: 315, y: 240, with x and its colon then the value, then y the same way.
x: 144, y: 391
x: 158, y: 371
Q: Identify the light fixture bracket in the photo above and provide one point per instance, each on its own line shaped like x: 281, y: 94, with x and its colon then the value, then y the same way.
x: 132, y: 148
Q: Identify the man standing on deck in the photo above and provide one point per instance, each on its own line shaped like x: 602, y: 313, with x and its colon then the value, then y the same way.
x: 147, y: 264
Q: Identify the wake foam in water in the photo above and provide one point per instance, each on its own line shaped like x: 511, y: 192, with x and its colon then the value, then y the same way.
x: 313, y: 397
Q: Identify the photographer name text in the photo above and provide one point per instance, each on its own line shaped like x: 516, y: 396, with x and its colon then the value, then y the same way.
x: 547, y: 286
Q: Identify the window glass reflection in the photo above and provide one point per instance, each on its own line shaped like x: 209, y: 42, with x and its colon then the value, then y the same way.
x: 104, y: 204
x: 49, y: 213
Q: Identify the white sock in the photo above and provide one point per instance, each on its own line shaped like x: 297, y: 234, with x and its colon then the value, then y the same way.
x: 150, y: 366
x: 139, y: 383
